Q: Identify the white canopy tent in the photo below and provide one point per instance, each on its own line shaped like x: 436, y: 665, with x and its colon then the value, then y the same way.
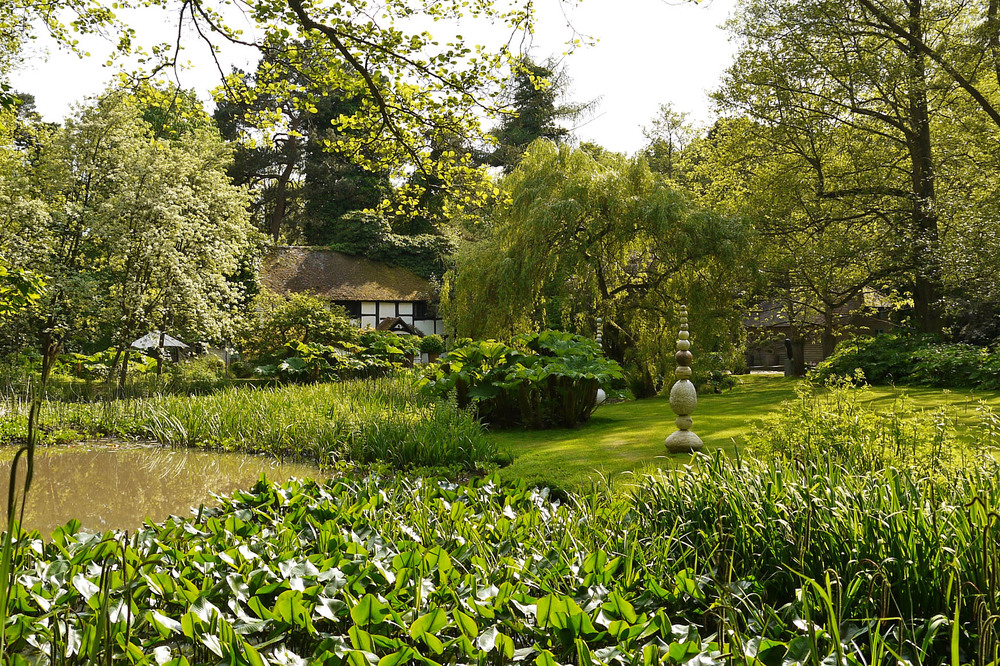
x: 152, y: 341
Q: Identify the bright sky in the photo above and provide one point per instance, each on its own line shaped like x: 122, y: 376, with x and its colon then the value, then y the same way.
x: 649, y: 52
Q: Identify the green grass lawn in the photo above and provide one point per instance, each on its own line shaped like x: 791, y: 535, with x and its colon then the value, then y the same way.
x: 629, y: 435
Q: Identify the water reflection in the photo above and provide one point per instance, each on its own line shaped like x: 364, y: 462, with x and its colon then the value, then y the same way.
x: 117, y: 487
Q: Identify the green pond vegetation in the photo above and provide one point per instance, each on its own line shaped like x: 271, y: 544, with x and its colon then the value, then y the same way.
x: 383, y: 420
x: 826, y: 525
x: 732, y: 561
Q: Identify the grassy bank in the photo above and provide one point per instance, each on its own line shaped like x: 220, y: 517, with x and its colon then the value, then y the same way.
x: 383, y: 420
x: 629, y: 436
x: 735, y: 562
x: 388, y: 421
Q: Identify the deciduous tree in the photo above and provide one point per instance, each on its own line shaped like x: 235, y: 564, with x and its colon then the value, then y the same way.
x: 135, y: 232
x: 819, y: 71
x: 585, y: 237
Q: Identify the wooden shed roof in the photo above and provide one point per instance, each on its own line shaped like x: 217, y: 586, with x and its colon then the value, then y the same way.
x: 339, y: 277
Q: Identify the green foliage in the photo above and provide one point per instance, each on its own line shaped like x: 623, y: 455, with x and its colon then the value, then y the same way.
x: 171, y: 112
x: 274, y: 321
x: 411, y: 91
x: 80, y: 377
x: 916, y: 360
x: 713, y: 372
x: 389, y: 346
x: 378, y: 354
x: 316, y: 362
x: 836, y: 422
x: 19, y: 288
x: 806, y: 563
x: 544, y: 379
x: 585, y: 237
x: 668, y: 136
x: 133, y: 231
x: 855, y: 185
x: 199, y: 375
x: 22, y: 21
x: 533, y: 113
x: 97, y: 366
x: 286, y: 128
x: 432, y: 344
x: 370, y: 235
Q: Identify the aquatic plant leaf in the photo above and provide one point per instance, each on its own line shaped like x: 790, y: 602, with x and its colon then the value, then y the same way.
x: 85, y: 587
x: 164, y: 625
x: 369, y: 610
x: 430, y: 623
x: 488, y: 639
x: 798, y: 652
x: 546, y: 659
x: 399, y: 658
x: 328, y: 607
x: 466, y: 624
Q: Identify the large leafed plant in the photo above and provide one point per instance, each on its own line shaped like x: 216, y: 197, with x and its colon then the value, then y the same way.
x: 541, y: 380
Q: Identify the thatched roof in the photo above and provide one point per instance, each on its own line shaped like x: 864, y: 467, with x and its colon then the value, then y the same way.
x: 340, y: 277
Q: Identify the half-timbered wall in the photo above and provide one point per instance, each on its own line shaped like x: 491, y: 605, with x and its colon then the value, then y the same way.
x: 413, y: 313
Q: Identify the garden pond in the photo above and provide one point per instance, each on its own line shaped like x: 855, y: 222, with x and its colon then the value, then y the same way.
x: 118, y: 485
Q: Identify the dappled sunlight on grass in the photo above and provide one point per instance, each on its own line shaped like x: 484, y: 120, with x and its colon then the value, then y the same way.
x: 629, y: 436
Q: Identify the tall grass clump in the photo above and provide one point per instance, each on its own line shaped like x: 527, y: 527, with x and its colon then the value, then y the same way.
x: 837, y: 420
x: 902, y: 543
x: 379, y: 420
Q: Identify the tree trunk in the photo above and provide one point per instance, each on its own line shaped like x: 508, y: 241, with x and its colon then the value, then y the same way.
x: 828, y: 338
x: 926, y: 255
x: 113, y: 370
x: 124, y: 374
x: 159, y: 354
x: 799, y: 356
x: 281, y: 186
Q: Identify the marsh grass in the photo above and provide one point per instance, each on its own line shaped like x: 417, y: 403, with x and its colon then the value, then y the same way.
x: 381, y: 420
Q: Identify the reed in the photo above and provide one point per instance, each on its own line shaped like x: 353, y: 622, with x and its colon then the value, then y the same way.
x: 381, y: 420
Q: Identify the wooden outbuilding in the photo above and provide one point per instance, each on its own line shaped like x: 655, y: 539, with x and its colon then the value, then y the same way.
x: 769, y: 324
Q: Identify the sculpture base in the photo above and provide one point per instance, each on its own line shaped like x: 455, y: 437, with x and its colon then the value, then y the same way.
x: 683, y: 441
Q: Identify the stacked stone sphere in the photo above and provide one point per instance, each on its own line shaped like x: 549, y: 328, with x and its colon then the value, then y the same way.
x: 601, y: 395
x: 683, y: 396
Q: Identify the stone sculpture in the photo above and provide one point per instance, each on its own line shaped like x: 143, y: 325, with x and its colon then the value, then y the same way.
x: 601, y: 395
x: 683, y: 396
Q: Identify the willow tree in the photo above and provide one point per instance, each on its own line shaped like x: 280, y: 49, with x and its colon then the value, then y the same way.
x: 583, y: 237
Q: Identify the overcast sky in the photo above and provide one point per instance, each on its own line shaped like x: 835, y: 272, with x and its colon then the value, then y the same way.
x: 649, y: 52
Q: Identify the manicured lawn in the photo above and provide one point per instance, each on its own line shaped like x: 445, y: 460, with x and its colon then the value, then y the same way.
x: 629, y: 436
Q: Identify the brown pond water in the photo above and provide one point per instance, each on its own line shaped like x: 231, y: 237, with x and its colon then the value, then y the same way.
x: 107, y: 486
